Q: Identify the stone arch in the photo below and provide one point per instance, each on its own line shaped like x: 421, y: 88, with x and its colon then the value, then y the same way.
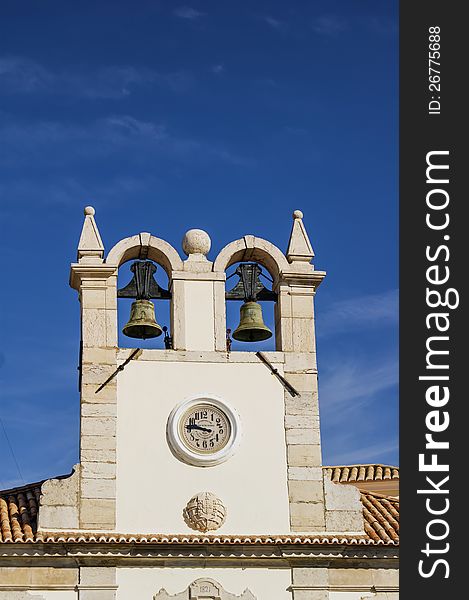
x: 251, y: 248
x: 142, y: 246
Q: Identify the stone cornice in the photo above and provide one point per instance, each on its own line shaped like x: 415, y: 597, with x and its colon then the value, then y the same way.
x: 312, y: 279
x: 151, y: 554
x: 205, y: 356
x: 79, y: 271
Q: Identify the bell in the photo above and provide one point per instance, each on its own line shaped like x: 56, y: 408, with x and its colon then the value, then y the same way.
x: 251, y: 326
x: 142, y: 323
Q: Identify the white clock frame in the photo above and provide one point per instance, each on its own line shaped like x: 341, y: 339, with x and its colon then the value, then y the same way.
x: 182, y: 452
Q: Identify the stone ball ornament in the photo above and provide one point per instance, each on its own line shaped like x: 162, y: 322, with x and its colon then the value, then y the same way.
x: 204, y: 512
x: 196, y: 241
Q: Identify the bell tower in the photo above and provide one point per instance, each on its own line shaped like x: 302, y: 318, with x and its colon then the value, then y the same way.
x: 210, y: 440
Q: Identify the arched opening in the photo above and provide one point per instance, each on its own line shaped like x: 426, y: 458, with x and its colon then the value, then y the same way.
x: 139, y: 323
x: 250, y: 308
x: 273, y: 263
x: 147, y: 248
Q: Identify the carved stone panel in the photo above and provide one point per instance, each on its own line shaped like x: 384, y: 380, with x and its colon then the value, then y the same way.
x: 204, y: 589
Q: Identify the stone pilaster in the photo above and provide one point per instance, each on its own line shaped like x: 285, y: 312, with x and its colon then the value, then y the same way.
x: 295, y: 335
x: 96, y: 283
x: 97, y: 292
x: 219, y: 307
x: 295, y: 330
x: 98, y: 439
x: 198, y: 298
x: 178, y: 322
x: 310, y: 583
x: 97, y: 583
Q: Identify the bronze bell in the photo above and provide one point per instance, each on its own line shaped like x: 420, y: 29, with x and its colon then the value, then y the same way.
x: 251, y: 326
x: 142, y: 323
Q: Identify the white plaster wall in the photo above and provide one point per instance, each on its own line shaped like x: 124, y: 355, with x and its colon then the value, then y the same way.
x: 198, y: 314
x: 153, y: 486
x: 144, y: 583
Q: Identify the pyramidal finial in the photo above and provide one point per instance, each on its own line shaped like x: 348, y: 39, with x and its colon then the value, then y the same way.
x: 90, y: 246
x: 299, y: 246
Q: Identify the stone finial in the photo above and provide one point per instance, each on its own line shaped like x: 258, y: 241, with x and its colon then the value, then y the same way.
x: 196, y: 242
x: 90, y: 246
x: 299, y: 246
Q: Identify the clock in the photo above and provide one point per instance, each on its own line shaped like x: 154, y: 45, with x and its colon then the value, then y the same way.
x: 204, y: 428
x: 203, y: 431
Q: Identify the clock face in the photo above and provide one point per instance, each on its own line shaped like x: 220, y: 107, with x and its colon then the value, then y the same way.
x: 203, y: 431
x: 205, y: 428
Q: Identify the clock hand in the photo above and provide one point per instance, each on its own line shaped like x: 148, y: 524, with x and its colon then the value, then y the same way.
x: 194, y: 426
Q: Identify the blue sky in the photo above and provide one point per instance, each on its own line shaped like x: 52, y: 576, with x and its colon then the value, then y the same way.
x: 220, y: 115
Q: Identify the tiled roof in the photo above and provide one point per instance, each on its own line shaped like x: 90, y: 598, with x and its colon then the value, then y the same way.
x: 357, y: 473
x: 19, y: 511
x: 381, y: 517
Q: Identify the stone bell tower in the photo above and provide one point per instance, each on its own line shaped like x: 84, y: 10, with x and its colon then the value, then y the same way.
x: 209, y: 439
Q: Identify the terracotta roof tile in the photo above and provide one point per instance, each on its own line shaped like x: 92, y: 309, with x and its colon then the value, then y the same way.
x: 148, y: 538
x: 356, y: 473
x: 18, y: 513
x: 381, y: 517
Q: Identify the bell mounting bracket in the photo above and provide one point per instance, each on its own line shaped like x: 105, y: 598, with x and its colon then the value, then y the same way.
x: 249, y: 287
x: 143, y: 286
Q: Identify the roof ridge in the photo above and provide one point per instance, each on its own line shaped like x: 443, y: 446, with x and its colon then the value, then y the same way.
x: 21, y: 488
x: 27, y: 486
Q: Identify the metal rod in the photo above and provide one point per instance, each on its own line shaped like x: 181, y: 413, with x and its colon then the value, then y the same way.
x: 120, y: 368
x: 288, y: 386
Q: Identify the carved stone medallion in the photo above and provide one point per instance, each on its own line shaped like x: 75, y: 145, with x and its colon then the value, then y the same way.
x: 204, y: 512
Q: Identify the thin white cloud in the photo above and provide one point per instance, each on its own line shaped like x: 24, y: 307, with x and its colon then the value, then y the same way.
x: 385, y: 26
x: 20, y: 75
x: 188, y: 13
x: 353, y: 424
x: 218, y: 69
x: 370, y: 310
x: 135, y: 127
x: 370, y: 453
x: 329, y: 25
x: 63, y: 191
x: 23, y: 75
x: 55, y: 144
x: 274, y: 23
x: 347, y: 384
